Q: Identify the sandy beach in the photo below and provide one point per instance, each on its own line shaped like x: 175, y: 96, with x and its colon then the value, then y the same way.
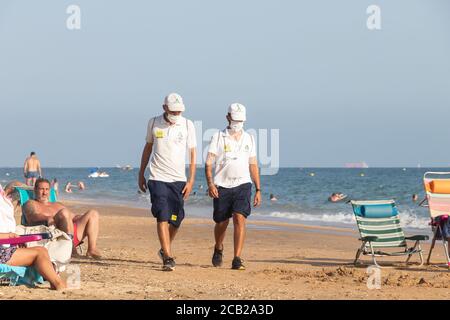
x: 284, y: 261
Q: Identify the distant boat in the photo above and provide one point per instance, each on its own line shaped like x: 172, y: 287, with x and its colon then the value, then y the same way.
x: 125, y: 168
x: 95, y: 173
x: 362, y: 164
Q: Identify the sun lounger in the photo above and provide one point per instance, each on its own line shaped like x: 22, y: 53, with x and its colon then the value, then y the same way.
x: 438, y: 202
x: 379, y: 227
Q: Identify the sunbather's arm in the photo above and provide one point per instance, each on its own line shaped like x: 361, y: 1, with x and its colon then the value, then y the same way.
x: 144, y: 162
x: 8, y: 235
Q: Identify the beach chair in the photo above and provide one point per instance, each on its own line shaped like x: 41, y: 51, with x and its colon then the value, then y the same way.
x: 379, y: 227
x: 438, y: 202
x: 13, y: 276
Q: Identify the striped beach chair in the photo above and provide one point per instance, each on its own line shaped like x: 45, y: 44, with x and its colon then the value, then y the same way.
x: 379, y: 227
x: 437, y: 188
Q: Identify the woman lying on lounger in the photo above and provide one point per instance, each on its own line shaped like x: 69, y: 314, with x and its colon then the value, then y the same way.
x: 23, y: 257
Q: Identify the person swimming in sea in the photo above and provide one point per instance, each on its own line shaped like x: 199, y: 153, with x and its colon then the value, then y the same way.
x: 69, y: 186
x: 336, y: 197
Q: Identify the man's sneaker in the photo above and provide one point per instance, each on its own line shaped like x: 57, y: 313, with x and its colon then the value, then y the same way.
x: 217, y: 257
x: 169, y: 264
x: 161, y: 254
x: 237, y: 264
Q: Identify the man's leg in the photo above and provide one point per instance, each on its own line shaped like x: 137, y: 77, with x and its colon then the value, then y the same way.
x: 219, y: 233
x: 239, y: 221
x: 63, y: 221
x: 165, y: 237
x: 173, y: 232
x: 88, y: 226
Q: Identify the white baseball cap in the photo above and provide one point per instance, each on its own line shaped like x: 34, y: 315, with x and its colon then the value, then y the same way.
x: 237, y: 112
x: 174, y: 102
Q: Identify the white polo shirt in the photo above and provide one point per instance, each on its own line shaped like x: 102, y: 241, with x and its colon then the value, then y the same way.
x: 232, y: 158
x: 168, y: 159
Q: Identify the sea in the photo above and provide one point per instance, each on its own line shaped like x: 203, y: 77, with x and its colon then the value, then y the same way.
x: 302, y: 193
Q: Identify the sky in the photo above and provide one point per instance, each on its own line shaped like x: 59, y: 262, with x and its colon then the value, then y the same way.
x: 336, y: 91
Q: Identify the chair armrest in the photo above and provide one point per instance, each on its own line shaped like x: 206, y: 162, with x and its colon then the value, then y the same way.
x: 418, y: 238
x: 21, y: 239
x: 369, y: 238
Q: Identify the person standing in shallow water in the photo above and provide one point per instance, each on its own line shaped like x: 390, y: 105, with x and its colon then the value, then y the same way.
x: 168, y: 137
x: 32, y: 169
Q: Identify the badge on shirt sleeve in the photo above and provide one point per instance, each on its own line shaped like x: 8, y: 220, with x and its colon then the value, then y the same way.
x: 159, y: 134
x: 227, y: 148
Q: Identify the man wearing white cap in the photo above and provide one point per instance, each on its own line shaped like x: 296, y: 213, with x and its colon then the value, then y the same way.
x: 168, y: 136
x: 234, y: 153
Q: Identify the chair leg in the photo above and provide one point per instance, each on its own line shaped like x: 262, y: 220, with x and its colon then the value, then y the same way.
x: 410, y: 255
x: 445, y: 243
x: 433, y: 242
x: 358, y: 253
x: 373, y: 256
x: 420, y: 255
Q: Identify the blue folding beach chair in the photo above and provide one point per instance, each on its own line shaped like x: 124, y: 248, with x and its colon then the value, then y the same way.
x: 15, y: 276
x: 379, y: 226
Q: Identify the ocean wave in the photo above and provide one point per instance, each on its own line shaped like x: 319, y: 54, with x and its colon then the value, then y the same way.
x: 408, y: 220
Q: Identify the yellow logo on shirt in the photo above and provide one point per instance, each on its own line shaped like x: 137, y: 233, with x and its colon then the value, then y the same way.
x: 159, y: 134
x: 227, y: 148
x: 174, y: 217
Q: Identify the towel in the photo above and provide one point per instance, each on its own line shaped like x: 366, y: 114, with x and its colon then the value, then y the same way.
x: 7, y: 221
x: 20, y: 275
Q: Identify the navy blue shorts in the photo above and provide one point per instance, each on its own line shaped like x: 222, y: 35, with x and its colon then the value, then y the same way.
x: 232, y: 200
x: 32, y: 174
x: 167, y: 201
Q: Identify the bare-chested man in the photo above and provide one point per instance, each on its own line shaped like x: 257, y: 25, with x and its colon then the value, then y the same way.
x: 78, y: 226
x: 32, y: 169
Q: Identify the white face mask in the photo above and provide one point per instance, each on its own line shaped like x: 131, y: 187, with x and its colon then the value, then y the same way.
x: 236, y: 126
x: 172, y: 118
